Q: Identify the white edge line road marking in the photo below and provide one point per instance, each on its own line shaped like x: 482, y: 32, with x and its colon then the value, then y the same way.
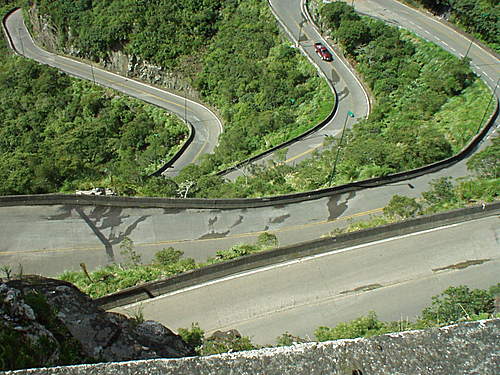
x: 130, y: 79
x: 445, y: 25
x: 308, y: 17
x: 285, y: 264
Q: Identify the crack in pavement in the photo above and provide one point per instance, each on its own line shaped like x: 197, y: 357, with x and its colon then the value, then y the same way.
x: 461, y: 265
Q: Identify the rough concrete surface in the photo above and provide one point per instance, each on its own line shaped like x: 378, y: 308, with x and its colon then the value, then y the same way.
x: 468, y: 348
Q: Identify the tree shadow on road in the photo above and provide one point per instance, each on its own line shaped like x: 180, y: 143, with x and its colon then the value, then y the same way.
x: 103, y: 218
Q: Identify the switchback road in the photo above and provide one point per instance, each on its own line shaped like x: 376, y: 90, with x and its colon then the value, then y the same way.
x: 51, y: 239
x: 207, y: 126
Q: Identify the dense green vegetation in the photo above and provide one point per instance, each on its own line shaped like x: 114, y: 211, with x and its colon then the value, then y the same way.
x: 59, y: 134
x: 479, y: 17
x: 231, y: 51
x: 428, y: 106
x: 445, y: 194
x: 167, y: 262
x: 428, y: 102
x: 454, y: 305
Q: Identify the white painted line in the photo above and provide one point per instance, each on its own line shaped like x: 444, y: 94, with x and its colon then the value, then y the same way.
x: 444, y: 25
x: 307, y: 15
x: 291, y: 262
x: 82, y: 64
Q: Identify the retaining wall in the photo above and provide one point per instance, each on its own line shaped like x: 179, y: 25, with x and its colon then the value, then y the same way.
x: 467, y: 348
x: 215, y: 271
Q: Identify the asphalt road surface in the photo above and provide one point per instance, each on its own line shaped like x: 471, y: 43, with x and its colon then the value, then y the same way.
x: 207, y: 126
x: 352, y: 97
x: 395, y: 277
x: 48, y: 240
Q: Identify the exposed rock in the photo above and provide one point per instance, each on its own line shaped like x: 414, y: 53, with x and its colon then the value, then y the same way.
x: 467, y: 348
x: 103, y: 336
x: 43, y: 31
x: 116, y: 59
x: 224, y: 335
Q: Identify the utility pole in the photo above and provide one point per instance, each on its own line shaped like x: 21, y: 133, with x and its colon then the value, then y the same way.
x: 185, y: 108
x: 468, y: 50
x: 348, y: 114
x: 488, y: 106
x: 300, y: 33
x: 242, y: 170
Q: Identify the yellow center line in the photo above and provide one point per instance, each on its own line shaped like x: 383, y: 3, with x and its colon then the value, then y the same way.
x: 235, y: 236
x: 110, y: 81
x: 303, y: 153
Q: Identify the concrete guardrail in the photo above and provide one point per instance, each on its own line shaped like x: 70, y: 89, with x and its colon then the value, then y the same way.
x: 180, y: 203
x: 248, y: 262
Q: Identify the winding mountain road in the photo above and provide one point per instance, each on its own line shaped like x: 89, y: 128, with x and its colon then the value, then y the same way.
x: 351, y: 95
x: 297, y: 296
x: 205, y: 123
x: 50, y: 239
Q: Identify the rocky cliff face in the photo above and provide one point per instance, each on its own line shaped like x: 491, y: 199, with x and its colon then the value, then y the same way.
x: 49, y: 314
x: 468, y: 348
x: 116, y: 60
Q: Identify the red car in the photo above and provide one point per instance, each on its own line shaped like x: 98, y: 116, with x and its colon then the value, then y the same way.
x: 323, y: 52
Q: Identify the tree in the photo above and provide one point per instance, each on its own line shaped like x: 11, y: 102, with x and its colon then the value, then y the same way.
x: 441, y: 192
x: 353, y: 34
x: 192, y: 336
x: 168, y: 256
x: 267, y: 240
x: 458, y: 303
x: 332, y: 14
x: 402, y: 207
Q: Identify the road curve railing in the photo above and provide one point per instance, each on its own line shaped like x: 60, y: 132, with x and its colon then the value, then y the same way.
x: 236, y: 203
x: 248, y: 262
x: 191, y: 129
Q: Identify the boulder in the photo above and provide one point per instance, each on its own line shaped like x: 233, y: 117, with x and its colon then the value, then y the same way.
x: 101, y: 335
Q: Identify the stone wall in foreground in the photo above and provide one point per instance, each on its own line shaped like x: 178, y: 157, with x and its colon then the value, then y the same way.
x: 468, y: 348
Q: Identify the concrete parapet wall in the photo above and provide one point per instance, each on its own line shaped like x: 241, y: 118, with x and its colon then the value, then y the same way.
x: 215, y: 271
x: 110, y: 201
x: 467, y: 348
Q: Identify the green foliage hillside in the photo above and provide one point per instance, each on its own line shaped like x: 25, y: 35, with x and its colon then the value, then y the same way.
x: 479, y: 17
x: 163, y: 32
x: 231, y: 50
x: 59, y: 133
x: 428, y: 106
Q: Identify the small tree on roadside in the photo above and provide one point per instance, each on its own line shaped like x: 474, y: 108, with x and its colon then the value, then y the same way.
x: 458, y: 303
x: 441, y: 192
x: 487, y: 162
x: 130, y: 256
x: 192, y: 336
x: 267, y: 240
x: 168, y: 256
x: 402, y: 207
